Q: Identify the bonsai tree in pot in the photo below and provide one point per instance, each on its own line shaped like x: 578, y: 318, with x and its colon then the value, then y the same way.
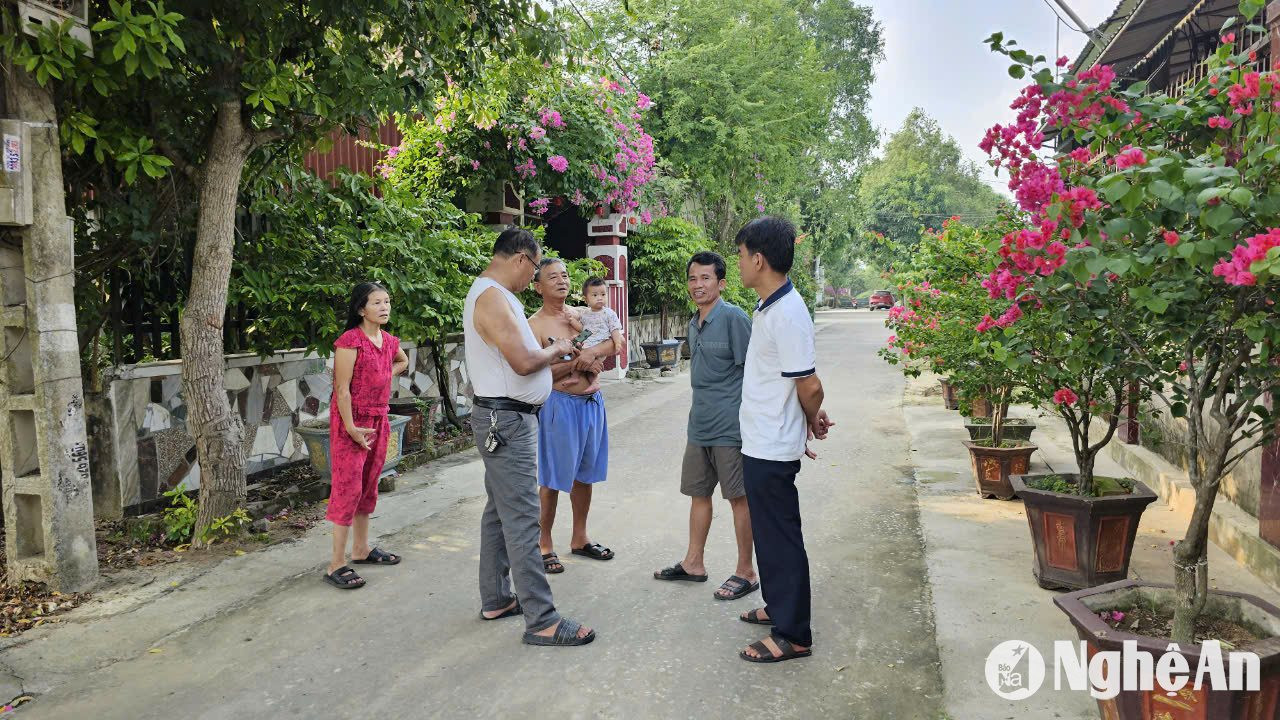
x: 1187, y: 232
x: 934, y: 329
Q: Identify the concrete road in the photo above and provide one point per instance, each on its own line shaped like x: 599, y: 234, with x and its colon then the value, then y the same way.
x: 410, y: 645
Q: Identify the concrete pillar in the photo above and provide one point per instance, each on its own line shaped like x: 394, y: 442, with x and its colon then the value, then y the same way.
x: 605, y: 243
x: 44, y: 458
x: 1269, y: 480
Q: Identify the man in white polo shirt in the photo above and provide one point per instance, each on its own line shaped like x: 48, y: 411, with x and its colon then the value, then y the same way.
x: 781, y: 409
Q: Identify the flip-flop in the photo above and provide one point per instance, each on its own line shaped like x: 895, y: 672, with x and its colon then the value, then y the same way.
x: 566, y: 635
x: 753, y: 616
x: 737, y: 587
x: 677, y: 572
x: 789, y: 652
x: 550, y: 559
x: 378, y: 557
x: 344, y: 578
x: 595, y: 551
x: 510, y: 612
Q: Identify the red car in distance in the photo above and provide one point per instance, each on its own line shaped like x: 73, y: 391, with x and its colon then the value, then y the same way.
x: 880, y: 300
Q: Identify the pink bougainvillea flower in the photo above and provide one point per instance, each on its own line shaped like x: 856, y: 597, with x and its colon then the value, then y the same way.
x: 1170, y: 238
x: 538, y: 132
x: 475, y: 164
x: 393, y: 151
x: 1130, y: 157
x: 539, y: 206
x: 1064, y: 396
x: 643, y: 102
x: 1220, y: 121
x: 1062, y: 61
x: 1182, y: 366
x: 1229, y: 38
x: 558, y: 163
x: 1237, y: 270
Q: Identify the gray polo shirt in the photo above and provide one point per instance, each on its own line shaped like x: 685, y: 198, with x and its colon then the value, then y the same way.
x: 719, y: 349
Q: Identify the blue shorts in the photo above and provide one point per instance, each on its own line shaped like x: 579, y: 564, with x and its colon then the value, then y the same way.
x: 573, y: 440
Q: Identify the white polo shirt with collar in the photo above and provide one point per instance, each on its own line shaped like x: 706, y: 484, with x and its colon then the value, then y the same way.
x: 781, y: 350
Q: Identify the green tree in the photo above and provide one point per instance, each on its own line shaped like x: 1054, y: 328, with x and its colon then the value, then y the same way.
x: 920, y: 180
x: 659, y: 255
x: 222, y: 86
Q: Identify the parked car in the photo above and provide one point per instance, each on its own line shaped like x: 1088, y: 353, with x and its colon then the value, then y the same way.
x: 880, y: 300
x: 844, y: 301
x: 861, y: 302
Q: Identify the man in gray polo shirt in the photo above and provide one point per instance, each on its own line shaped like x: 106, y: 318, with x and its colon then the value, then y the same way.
x: 718, y: 338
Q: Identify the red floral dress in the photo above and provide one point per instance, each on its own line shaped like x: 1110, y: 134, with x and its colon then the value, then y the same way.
x: 354, y: 471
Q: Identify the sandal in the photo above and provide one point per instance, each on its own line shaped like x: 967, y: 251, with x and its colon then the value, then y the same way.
x: 509, y: 612
x: 344, y: 578
x: 595, y: 551
x: 737, y: 587
x: 376, y: 556
x: 789, y: 652
x: 551, y: 563
x: 753, y: 617
x: 566, y: 635
x: 677, y: 572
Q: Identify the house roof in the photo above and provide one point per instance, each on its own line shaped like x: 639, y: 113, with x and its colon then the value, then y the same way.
x: 1138, y: 29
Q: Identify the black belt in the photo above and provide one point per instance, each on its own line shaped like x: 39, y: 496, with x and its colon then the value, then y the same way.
x: 502, y: 403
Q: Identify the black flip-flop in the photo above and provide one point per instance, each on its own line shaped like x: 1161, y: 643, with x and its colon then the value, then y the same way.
x: 677, y: 572
x: 378, y: 557
x: 344, y: 578
x: 595, y: 551
x: 789, y: 652
x: 566, y: 635
x: 753, y: 616
x: 509, y: 612
x: 550, y: 559
x: 737, y: 587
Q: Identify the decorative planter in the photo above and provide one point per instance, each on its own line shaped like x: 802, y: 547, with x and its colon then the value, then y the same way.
x: 685, y: 351
x: 419, y: 433
x: 949, y: 399
x: 1014, y: 429
x: 993, y: 466
x: 1083, y: 607
x: 1081, y: 542
x: 317, y: 439
x: 982, y: 408
x: 662, y: 354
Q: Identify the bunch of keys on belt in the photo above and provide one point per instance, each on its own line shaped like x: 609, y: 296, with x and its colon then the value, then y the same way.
x: 494, y: 439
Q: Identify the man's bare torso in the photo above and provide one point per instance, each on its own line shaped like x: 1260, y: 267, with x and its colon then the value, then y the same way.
x: 545, y: 326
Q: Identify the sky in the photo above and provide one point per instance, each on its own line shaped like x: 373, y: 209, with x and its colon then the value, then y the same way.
x: 935, y: 59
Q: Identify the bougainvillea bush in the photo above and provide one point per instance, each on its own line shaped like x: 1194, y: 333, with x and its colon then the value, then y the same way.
x: 934, y: 327
x: 559, y: 135
x: 1170, y: 206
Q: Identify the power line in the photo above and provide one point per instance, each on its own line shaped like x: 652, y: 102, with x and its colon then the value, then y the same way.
x: 1062, y: 19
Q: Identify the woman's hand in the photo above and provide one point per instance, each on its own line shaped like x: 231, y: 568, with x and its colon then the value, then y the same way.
x: 361, y: 436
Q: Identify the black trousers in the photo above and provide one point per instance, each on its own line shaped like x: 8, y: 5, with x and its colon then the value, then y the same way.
x: 784, y: 565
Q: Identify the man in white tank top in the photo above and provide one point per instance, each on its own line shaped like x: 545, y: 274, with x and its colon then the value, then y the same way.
x: 510, y: 373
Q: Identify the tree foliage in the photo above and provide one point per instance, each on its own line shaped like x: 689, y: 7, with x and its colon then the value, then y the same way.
x: 920, y: 180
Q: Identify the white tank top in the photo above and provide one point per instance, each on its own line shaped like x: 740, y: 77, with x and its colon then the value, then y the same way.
x: 491, y: 375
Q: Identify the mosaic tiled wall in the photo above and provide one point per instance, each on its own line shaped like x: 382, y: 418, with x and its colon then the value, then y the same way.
x: 141, y: 442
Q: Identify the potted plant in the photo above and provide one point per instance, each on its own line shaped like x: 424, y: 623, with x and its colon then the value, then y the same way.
x: 1014, y: 428
x: 949, y: 399
x: 935, y: 327
x: 421, y: 412
x: 1185, y: 241
x: 315, y: 433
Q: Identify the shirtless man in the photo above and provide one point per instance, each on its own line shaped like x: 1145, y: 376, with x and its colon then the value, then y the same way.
x: 573, y: 434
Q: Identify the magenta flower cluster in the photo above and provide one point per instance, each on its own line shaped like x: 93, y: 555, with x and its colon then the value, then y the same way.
x: 1236, y: 270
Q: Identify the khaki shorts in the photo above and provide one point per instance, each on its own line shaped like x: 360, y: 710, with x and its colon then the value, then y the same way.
x: 703, y: 467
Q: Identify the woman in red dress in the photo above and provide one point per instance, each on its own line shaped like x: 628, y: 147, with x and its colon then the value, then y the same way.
x: 365, y: 361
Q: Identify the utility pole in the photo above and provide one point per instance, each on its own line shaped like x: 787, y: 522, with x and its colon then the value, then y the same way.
x: 44, y: 460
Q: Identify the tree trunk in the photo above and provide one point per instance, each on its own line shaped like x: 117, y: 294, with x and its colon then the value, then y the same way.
x: 217, y: 430
x: 442, y: 384
x: 1085, y: 481
x: 1191, y: 571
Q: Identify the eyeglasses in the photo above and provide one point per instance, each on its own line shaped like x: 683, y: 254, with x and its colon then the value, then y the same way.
x: 532, y: 262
